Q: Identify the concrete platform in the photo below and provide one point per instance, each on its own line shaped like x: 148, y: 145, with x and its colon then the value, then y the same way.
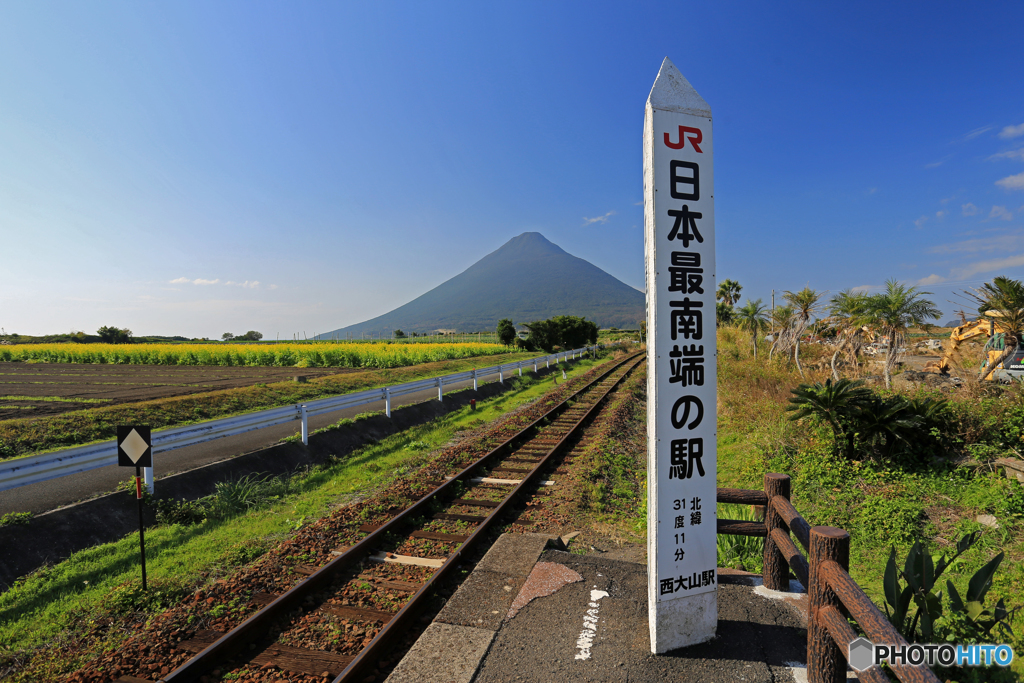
x: 531, y: 613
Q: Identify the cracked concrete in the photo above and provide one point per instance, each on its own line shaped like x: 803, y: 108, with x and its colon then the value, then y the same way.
x: 596, y: 629
x: 758, y: 637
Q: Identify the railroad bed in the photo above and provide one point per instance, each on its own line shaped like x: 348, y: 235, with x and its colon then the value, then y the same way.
x: 323, y: 613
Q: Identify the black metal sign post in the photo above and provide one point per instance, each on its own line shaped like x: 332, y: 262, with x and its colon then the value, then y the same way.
x: 135, y: 449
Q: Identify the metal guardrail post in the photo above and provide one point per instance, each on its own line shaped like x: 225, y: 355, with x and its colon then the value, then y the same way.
x: 501, y: 375
x: 826, y: 662
x: 305, y: 425
x: 776, y: 570
x: 43, y: 467
x: 147, y: 473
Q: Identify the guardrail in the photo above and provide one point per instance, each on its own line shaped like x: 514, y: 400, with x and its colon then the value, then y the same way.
x: 832, y: 592
x: 37, y: 468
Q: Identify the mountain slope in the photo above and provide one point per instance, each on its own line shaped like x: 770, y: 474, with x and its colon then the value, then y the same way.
x: 527, y: 279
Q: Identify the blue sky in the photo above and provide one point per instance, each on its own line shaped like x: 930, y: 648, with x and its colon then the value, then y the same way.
x: 196, y: 168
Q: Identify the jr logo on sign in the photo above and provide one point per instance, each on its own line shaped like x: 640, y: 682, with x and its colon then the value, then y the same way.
x: 694, y: 135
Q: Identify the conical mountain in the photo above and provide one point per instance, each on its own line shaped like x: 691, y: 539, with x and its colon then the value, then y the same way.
x: 527, y: 279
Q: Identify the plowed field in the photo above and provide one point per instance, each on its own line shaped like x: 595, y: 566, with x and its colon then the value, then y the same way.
x: 38, y: 389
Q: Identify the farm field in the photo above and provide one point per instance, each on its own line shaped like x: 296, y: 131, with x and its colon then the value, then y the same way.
x: 301, y: 355
x: 30, y: 390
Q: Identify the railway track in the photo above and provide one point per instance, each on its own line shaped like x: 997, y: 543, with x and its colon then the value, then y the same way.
x: 396, y: 567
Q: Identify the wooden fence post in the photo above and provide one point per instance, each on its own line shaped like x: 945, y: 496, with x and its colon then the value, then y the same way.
x: 826, y: 662
x: 776, y: 570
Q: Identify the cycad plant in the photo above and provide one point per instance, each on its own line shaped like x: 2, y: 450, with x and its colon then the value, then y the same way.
x: 838, y: 403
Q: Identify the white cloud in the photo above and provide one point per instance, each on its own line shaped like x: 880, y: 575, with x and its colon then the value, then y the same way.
x: 965, y: 272
x: 272, y: 287
x: 1012, y: 154
x: 921, y: 221
x: 940, y: 214
x: 976, y: 132
x: 599, y: 219
x: 1005, y: 242
x: 247, y: 284
x: 1000, y: 212
x: 930, y: 280
x: 872, y: 190
x: 1012, y: 132
x: 969, y: 209
x: 861, y: 289
x: 936, y: 164
x: 197, y: 281
x: 1013, y: 182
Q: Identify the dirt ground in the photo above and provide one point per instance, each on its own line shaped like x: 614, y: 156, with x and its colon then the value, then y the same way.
x: 51, y: 388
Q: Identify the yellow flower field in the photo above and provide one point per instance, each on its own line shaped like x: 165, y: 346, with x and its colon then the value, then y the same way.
x: 305, y: 355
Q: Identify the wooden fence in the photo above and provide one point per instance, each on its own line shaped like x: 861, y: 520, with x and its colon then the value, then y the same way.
x: 833, y: 595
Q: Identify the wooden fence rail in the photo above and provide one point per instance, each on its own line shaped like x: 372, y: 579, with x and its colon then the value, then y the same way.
x: 833, y: 595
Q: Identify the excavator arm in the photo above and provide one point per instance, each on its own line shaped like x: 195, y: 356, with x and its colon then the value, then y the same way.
x: 977, y: 328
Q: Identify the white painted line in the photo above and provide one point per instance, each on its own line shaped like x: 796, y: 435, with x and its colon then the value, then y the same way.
x: 586, y: 639
x: 391, y: 558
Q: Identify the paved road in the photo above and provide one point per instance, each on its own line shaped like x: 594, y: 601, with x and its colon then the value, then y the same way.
x: 55, y: 493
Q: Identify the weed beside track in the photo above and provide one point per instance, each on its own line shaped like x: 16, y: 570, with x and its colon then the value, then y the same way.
x: 311, y: 545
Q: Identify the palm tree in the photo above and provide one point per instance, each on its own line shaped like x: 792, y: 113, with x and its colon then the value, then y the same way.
x: 1002, y: 299
x: 753, y: 319
x: 728, y: 292
x: 894, y: 311
x: 782, y: 317
x: 805, y: 303
x: 723, y: 314
x: 846, y: 311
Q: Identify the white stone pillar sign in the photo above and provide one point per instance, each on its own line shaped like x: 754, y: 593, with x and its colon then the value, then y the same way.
x: 682, y: 391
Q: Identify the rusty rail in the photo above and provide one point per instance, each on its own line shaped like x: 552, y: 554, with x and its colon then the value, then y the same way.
x: 832, y: 594
x: 252, y: 628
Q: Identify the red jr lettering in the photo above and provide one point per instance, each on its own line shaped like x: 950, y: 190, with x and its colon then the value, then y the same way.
x: 685, y: 131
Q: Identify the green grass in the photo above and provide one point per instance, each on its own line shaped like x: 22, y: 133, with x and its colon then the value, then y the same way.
x: 881, y: 505
x: 48, y: 608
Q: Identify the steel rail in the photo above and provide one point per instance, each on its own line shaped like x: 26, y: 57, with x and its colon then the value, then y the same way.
x: 250, y: 629
x: 45, y: 466
x: 393, y: 629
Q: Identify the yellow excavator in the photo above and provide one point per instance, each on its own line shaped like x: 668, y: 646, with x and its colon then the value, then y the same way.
x: 989, y: 326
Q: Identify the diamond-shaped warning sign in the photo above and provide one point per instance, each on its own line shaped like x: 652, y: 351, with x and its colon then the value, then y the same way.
x: 134, y: 446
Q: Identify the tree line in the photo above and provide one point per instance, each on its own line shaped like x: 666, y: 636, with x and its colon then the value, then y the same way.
x: 850, y: 317
x: 560, y: 331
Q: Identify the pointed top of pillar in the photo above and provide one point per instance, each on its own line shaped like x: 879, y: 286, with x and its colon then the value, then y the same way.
x: 672, y: 92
